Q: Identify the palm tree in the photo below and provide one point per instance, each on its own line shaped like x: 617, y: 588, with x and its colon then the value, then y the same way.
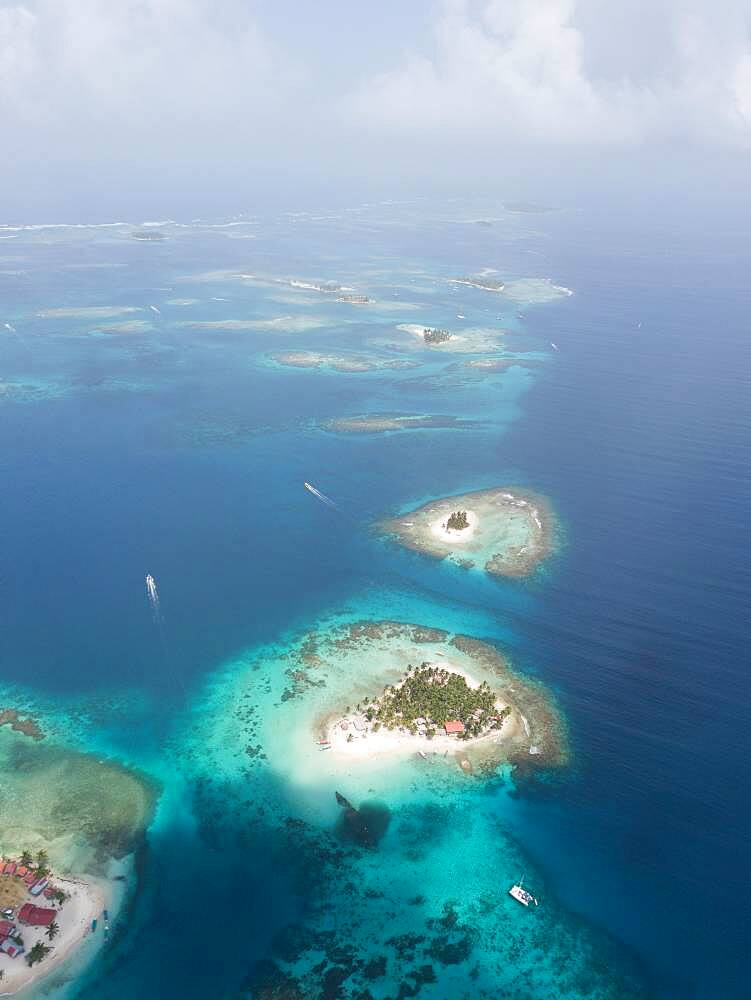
x: 53, y: 930
x: 42, y: 858
x: 37, y: 953
x: 26, y: 858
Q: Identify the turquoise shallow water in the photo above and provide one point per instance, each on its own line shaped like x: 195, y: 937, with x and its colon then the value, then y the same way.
x: 179, y: 449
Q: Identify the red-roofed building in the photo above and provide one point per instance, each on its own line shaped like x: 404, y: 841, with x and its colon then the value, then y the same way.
x: 22, y: 871
x: 31, y: 878
x: 36, y: 916
x: 11, y: 948
x: 453, y: 727
x: 10, y: 868
x: 6, y: 926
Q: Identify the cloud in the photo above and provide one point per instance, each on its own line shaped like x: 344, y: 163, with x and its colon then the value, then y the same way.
x: 571, y: 71
x: 93, y: 69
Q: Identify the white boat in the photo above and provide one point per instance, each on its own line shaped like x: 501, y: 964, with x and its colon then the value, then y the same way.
x: 521, y: 895
x: 554, y: 346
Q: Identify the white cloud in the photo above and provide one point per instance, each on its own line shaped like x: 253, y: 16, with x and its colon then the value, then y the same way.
x: 572, y: 71
x: 134, y: 68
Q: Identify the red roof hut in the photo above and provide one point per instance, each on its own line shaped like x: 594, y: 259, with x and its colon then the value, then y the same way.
x: 36, y: 916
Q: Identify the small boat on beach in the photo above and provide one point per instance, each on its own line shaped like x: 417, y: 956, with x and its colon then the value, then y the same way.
x: 521, y: 895
x: 93, y: 925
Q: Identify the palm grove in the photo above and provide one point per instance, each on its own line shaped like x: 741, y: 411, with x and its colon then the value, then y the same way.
x: 438, y: 696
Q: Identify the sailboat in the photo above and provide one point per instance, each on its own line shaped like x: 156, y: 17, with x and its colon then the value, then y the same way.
x: 521, y: 895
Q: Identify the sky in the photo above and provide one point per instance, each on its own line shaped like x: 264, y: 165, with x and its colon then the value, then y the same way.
x: 160, y: 101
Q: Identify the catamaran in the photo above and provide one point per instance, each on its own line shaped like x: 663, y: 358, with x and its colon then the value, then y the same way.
x: 521, y: 895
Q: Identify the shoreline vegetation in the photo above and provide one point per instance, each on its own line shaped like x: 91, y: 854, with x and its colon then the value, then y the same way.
x: 461, y: 698
x: 505, y: 531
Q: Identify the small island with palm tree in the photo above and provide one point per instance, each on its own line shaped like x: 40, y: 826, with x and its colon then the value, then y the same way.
x: 504, y: 531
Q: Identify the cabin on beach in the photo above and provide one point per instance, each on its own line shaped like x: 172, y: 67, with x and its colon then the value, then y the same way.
x: 8, y: 946
x: 453, y: 727
x: 11, y: 947
x: 36, y: 916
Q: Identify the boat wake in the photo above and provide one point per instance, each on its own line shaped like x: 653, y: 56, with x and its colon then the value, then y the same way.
x: 321, y: 496
x: 152, y: 595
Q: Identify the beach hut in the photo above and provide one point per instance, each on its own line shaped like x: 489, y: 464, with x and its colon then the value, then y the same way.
x: 454, y: 727
x: 10, y: 868
x: 10, y: 948
x: 6, y: 927
x: 36, y: 916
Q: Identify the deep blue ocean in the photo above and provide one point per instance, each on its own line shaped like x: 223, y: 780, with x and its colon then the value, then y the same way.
x: 180, y: 450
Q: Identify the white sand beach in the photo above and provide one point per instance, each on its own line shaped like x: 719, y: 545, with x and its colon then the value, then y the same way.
x: 86, y: 902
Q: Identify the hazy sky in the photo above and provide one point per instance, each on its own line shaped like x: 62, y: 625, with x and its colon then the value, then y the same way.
x: 157, y: 96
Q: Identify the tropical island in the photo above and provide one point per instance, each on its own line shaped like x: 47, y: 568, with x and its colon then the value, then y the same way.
x: 356, y: 300
x: 470, y: 340
x: 418, y: 690
x: 483, y: 281
x: 505, y: 531
x: 432, y: 335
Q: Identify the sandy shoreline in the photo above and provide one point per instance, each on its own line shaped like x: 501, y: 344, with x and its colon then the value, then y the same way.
x: 86, y: 902
x: 75, y: 945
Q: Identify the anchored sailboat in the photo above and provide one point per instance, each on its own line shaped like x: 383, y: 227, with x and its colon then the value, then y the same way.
x: 521, y: 895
